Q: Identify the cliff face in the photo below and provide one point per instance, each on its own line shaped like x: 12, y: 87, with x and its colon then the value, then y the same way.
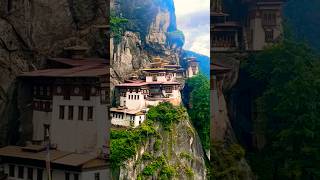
x: 31, y: 31
x: 181, y: 149
x: 227, y: 158
x: 147, y: 35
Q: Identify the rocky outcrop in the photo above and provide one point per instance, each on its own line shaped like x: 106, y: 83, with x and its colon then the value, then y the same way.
x: 127, y: 57
x: 180, y: 148
x: 31, y: 31
x: 145, y: 36
x: 227, y: 157
x: 224, y: 132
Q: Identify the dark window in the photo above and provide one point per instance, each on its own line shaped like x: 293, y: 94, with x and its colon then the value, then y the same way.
x: 86, y: 95
x: 80, y: 113
x: 269, y: 35
x: 61, y: 112
x: 41, y: 91
x: 35, y: 90
x: 48, y: 91
x: 168, y: 90
x: 39, y: 174
x: 70, y: 113
x: 76, y: 176
x: 30, y: 173
x: 67, y: 176
x: 11, y: 170
x: 67, y: 93
x: 96, y: 176
x: 20, y: 172
x: 269, y: 18
x: 154, y: 78
x: 90, y: 113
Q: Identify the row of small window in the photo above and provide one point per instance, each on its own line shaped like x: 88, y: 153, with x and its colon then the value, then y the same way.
x: 21, y: 172
x: 121, y: 116
x: 80, y: 112
x: 40, y: 173
x: 42, y: 91
x: 116, y: 115
x: 135, y: 97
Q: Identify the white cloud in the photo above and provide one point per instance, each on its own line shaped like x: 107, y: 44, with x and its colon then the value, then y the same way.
x: 184, y: 7
x: 193, y: 18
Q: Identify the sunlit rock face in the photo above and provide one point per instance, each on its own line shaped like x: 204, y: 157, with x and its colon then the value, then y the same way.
x: 175, y: 145
x: 31, y: 31
x: 149, y: 23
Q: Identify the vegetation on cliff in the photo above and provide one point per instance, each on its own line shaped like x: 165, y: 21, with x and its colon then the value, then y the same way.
x: 162, y: 147
x: 167, y: 114
x: 288, y: 112
x: 226, y: 162
x: 125, y: 143
x: 117, y: 25
x: 198, y: 97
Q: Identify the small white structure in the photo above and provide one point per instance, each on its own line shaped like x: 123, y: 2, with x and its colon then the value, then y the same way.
x: 124, y: 117
x: 193, y: 67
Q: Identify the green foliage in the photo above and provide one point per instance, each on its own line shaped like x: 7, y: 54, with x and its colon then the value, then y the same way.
x: 117, y: 25
x: 199, y: 93
x: 167, y: 172
x: 146, y: 156
x: 154, y: 166
x: 186, y: 156
x: 225, y: 160
x: 289, y: 108
x: 125, y: 143
x: 166, y: 114
x: 157, y: 144
x: 139, y: 177
x: 189, y: 172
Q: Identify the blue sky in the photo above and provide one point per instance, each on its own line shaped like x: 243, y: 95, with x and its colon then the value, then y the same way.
x: 193, y: 18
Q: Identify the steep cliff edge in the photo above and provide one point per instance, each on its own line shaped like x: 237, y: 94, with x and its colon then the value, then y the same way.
x: 31, y: 31
x: 227, y: 156
x: 165, y: 146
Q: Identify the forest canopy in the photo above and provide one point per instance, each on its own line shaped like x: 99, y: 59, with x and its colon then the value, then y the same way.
x: 288, y: 111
